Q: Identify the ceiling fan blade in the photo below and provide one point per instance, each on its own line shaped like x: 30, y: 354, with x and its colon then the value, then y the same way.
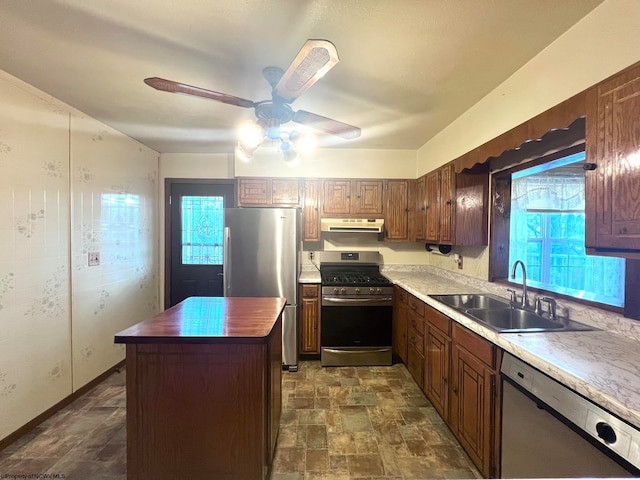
x: 327, y: 125
x: 314, y: 60
x: 175, y: 87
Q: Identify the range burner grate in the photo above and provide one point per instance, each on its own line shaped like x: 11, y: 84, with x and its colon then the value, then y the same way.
x: 353, y: 278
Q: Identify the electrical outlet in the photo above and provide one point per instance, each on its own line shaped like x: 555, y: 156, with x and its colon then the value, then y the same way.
x: 310, y: 255
x: 94, y: 259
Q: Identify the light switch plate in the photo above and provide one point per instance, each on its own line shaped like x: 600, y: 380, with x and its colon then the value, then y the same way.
x: 94, y: 259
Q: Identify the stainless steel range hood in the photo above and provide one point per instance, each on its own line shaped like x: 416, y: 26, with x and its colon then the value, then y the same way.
x: 374, y: 225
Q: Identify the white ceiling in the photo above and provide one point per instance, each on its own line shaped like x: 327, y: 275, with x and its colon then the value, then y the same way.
x: 407, y: 67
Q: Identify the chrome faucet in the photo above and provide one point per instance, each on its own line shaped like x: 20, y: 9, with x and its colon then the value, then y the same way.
x: 525, y: 299
x: 552, y: 307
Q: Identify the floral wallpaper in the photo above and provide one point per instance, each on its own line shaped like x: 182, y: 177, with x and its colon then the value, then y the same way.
x: 69, y: 186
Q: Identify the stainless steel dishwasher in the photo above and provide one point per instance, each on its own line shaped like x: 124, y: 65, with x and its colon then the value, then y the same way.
x: 548, y: 430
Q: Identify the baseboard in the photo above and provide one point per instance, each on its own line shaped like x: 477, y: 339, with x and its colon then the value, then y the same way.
x: 12, y: 437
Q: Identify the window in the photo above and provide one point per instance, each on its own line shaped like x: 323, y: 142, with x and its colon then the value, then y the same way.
x: 546, y: 232
x: 202, y: 230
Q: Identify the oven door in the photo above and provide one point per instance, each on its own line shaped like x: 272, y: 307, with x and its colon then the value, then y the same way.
x: 356, y: 332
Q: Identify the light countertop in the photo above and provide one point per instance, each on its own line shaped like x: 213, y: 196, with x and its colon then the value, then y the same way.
x: 601, y: 365
x: 309, y: 274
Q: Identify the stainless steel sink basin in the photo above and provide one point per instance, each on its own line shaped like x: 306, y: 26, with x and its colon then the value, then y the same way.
x: 513, y: 319
x: 472, y: 300
x: 498, y: 314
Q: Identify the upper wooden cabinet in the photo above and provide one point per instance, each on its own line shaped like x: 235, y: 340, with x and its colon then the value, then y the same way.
x: 268, y: 192
x: 396, y: 219
x: 352, y: 198
x: 613, y: 179
x: 440, y: 191
x: 451, y: 208
x: 432, y: 228
x: 310, y: 211
x: 419, y: 207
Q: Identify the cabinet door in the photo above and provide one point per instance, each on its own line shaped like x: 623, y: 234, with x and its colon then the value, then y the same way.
x: 368, y: 198
x: 400, y: 324
x: 613, y: 143
x: 432, y: 233
x: 420, y: 208
x: 415, y: 365
x: 310, y: 319
x: 472, y: 407
x: 310, y: 217
x: 336, y: 197
x: 397, y: 210
x: 436, y: 371
x: 285, y: 192
x: 447, y: 204
x: 252, y: 192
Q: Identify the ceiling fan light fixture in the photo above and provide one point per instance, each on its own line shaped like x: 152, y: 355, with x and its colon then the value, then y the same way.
x: 289, y: 154
x: 305, y: 143
x: 242, y: 155
x: 250, y: 136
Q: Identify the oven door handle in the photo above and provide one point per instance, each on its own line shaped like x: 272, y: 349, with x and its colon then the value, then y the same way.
x: 356, y: 300
x: 357, y: 352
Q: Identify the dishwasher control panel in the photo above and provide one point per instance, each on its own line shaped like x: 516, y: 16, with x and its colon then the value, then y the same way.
x: 602, y: 426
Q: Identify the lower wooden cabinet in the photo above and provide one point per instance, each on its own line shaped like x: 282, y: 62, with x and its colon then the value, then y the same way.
x: 400, y: 324
x: 474, y: 405
x: 458, y: 372
x: 310, y: 319
x: 437, y: 360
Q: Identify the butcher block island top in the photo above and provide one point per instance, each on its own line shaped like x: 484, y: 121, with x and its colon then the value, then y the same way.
x: 204, y: 389
x: 208, y: 320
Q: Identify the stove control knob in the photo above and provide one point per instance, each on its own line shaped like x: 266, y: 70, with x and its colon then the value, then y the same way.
x: 335, y: 290
x: 343, y: 290
x: 378, y: 290
x: 357, y: 290
x: 372, y: 290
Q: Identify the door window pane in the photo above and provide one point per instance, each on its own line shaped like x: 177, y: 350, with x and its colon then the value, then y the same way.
x: 202, y: 230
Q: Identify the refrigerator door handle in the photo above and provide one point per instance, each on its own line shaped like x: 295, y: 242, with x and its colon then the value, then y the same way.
x: 226, y: 262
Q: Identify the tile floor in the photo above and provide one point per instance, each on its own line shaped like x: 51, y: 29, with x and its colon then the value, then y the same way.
x: 337, y: 424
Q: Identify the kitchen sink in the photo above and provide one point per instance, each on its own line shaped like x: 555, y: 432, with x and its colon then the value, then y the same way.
x: 499, y: 315
x: 473, y: 300
x: 511, y: 319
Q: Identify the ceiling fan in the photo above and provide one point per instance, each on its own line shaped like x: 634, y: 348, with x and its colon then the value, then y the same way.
x: 314, y: 60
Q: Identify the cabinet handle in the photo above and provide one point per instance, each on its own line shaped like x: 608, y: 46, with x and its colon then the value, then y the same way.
x: 589, y: 166
x: 448, y: 202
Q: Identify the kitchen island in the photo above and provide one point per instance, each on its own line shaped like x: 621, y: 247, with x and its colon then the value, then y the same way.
x: 204, y: 389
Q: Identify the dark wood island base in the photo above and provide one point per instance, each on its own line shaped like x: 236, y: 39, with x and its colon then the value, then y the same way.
x: 204, y: 389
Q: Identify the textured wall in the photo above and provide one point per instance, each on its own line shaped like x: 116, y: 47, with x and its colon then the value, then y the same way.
x: 58, y: 170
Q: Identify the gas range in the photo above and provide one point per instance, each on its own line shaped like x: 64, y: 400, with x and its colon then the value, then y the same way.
x: 356, y: 310
x: 353, y: 273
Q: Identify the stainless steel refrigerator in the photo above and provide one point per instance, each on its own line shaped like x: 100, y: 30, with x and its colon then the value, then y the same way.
x: 262, y: 259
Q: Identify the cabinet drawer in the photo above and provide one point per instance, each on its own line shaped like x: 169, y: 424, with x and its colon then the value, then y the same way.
x: 401, y: 294
x: 474, y: 344
x: 416, y: 366
x: 415, y: 340
x: 438, y: 320
x: 415, y: 305
x: 310, y: 291
x: 416, y: 322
